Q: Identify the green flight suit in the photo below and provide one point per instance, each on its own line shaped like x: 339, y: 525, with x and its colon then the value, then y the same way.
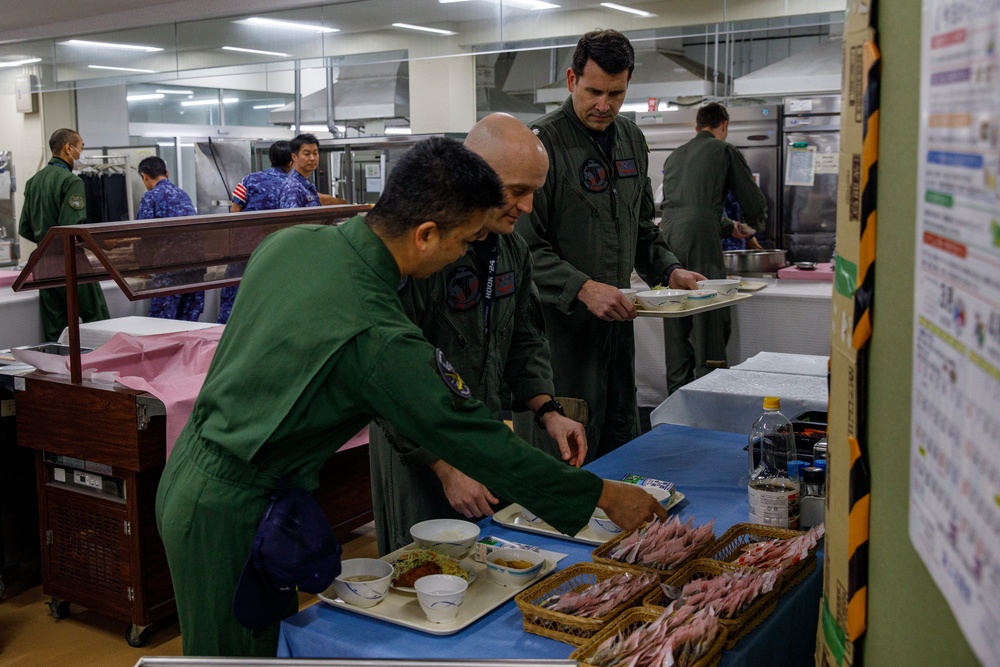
x: 55, y: 196
x: 449, y: 309
x: 696, y: 179
x: 317, y: 345
x: 591, y: 220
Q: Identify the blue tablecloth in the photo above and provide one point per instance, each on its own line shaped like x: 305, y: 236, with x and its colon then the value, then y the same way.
x: 709, y: 468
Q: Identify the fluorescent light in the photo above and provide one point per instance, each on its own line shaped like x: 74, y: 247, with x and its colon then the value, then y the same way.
x: 170, y: 144
x: 445, y: 2
x: 123, y: 69
x: 312, y: 128
x: 202, y: 103
x: 400, y: 130
x: 173, y: 91
x: 269, y: 106
x: 256, y: 51
x: 530, y: 4
x: 287, y: 25
x: 421, y: 28
x: 15, y: 63
x: 629, y: 10
x: 112, y: 45
x: 139, y: 98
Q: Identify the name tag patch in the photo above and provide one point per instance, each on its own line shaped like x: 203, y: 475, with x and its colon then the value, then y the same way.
x: 626, y: 168
x: 593, y: 176
x: 451, y: 376
x: 505, y: 284
x: 463, y: 289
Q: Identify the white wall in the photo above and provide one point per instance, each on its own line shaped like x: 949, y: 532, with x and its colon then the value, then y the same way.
x: 442, y: 94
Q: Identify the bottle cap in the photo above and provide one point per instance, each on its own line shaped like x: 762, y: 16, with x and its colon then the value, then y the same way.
x: 820, y: 464
x: 795, y: 469
x: 814, y: 475
x: 772, y: 403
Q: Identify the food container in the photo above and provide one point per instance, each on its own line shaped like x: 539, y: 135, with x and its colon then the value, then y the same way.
x: 726, y: 287
x: 451, y: 537
x: 668, y: 300
x: 363, y: 582
x: 602, y: 555
x: 731, y: 545
x: 513, y: 577
x: 742, y: 262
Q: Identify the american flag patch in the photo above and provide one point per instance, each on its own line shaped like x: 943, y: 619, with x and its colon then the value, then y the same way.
x: 240, y: 194
x: 505, y: 284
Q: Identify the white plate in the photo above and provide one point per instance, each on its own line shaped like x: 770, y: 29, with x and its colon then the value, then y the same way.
x: 467, y: 565
x: 694, y: 310
x: 511, y: 517
x: 404, y: 609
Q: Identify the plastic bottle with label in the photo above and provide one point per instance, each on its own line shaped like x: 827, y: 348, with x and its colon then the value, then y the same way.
x: 773, y: 489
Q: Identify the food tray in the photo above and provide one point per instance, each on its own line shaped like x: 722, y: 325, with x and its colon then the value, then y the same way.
x: 564, y: 627
x: 729, y: 547
x: 684, y: 312
x: 601, y: 555
x: 752, y: 285
x: 512, y: 517
x: 482, y: 597
x: 631, y: 620
x: 706, y: 568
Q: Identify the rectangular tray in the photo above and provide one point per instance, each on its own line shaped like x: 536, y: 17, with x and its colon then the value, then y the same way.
x: 712, y: 305
x: 482, y: 597
x: 511, y: 517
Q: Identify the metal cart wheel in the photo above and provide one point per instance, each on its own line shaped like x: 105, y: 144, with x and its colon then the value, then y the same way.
x: 59, y: 608
x: 136, y: 635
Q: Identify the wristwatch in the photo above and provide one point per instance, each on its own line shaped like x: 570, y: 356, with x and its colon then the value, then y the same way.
x: 546, y: 408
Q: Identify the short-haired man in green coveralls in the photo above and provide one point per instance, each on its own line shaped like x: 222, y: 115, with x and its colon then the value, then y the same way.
x: 55, y: 196
x: 318, y: 304
x: 483, y: 311
x: 592, y: 224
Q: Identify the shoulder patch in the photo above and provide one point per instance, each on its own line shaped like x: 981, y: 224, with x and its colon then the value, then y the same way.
x: 463, y: 292
x: 593, y: 176
x: 76, y: 202
x: 451, y: 376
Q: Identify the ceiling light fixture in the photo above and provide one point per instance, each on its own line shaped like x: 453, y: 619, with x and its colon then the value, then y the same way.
x: 149, y: 96
x: 170, y: 91
x: 399, y: 130
x: 123, y: 69
x: 202, y: 103
x: 269, y: 106
x: 256, y: 51
x: 628, y: 10
x: 288, y: 25
x: 436, y: 31
x: 112, y: 45
x: 15, y: 63
x: 530, y: 4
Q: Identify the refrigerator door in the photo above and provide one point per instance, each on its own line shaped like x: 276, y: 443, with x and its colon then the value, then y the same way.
x: 810, y: 194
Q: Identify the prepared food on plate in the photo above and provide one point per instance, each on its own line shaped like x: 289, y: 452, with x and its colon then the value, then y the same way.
x: 780, y: 554
x: 663, y: 545
x: 600, y: 598
x: 677, y: 638
x: 411, y: 565
x: 729, y: 593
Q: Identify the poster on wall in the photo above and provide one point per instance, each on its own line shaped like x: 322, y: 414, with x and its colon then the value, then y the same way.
x: 954, y: 511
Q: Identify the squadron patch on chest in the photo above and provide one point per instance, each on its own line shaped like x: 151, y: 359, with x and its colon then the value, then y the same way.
x: 626, y: 168
x: 451, y: 376
x: 593, y: 176
x: 505, y: 284
x: 76, y: 202
x: 463, y: 289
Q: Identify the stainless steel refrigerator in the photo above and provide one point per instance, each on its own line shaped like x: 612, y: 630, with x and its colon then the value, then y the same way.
x: 8, y: 222
x: 810, y: 143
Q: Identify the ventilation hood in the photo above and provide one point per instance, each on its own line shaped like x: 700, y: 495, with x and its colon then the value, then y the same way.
x: 361, y: 92
x: 660, y: 74
x: 816, y: 70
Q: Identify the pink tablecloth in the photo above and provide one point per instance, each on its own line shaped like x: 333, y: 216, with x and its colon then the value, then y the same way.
x: 822, y: 272
x: 7, y: 278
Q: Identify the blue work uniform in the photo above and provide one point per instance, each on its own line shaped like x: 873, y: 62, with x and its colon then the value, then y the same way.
x: 166, y: 200
x: 297, y: 192
x: 258, y: 191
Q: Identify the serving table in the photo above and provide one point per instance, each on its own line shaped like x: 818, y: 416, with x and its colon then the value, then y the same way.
x: 709, y: 467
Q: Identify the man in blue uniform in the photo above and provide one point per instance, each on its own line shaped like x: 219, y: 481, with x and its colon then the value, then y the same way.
x: 298, y: 191
x: 55, y: 196
x: 163, y: 199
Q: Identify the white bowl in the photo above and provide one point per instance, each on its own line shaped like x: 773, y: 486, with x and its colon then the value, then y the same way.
x: 664, y: 300
x: 629, y: 292
x: 441, y: 596
x: 700, y: 297
x: 451, y: 537
x: 602, y: 526
x: 363, y: 593
x: 509, y: 576
x: 726, y: 287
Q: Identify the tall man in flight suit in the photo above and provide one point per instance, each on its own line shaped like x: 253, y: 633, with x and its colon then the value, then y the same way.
x: 341, y: 351
x: 591, y: 225
x: 482, y: 311
x: 696, y: 180
x: 55, y: 196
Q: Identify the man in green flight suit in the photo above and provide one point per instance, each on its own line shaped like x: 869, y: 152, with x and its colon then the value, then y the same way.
x: 55, y: 196
x: 341, y: 351
x: 483, y: 312
x: 591, y: 225
x: 696, y: 179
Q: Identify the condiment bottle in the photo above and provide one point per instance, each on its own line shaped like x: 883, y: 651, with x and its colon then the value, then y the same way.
x: 773, y: 494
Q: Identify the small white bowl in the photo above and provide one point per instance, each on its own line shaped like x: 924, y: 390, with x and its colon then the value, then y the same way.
x: 700, y: 297
x: 363, y: 593
x: 663, y: 300
x: 441, y: 596
x: 602, y: 526
x: 451, y: 537
x: 629, y: 293
x: 726, y: 287
x: 509, y: 576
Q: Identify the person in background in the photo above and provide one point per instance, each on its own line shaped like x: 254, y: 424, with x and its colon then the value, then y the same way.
x: 335, y: 320
x: 163, y: 199
x: 298, y: 191
x: 55, y: 196
x: 696, y: 179
x: 731, y: 211
x: 592, y: 224
x: 482, y: 312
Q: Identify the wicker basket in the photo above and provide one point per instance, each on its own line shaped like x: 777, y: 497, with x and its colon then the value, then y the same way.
x: 730, y: 546
x: 567, y: 628
x: 602, y: 555
x: 706, y: 568
x: 633, y: 619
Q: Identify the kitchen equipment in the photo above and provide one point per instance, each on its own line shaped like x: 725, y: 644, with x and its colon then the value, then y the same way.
x: 805, y: 266
x: 745, y: 262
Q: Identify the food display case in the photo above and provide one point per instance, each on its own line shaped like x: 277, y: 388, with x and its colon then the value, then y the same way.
x: 100, y: 449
